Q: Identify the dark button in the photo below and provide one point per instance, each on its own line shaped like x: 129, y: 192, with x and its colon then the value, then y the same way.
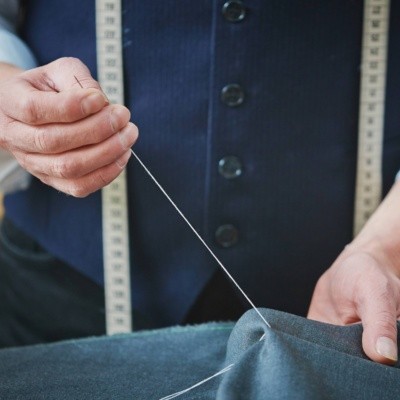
x: 226, y: 235
x: 232, y: 95
x: 230, y: 167
x: 234, y: 10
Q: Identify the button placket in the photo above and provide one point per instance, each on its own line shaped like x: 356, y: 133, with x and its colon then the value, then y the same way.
x: 232, y: 95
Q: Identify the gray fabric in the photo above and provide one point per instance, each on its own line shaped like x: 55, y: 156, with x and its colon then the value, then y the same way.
x: 145, y: 365
x: 298, y: 359
x: 302, y: 359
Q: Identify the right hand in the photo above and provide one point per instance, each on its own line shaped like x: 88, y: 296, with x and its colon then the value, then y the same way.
x: 67, y: 136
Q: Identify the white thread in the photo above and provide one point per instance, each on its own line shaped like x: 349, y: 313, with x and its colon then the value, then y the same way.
x: 172, y: 396
x: 226, y: 369
x: 200, y: 238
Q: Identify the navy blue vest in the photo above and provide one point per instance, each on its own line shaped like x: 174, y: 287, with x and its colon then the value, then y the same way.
x: 295, y: 134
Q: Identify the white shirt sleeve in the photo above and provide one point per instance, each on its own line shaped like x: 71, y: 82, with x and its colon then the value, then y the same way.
x: 13, y: 51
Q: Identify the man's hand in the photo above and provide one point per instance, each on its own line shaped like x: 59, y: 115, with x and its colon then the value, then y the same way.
x: 67, y: 136
x: 363, y: 284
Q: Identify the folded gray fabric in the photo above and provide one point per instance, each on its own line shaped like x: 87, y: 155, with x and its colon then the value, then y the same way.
x: 297, y: 359
x: 302, y: 359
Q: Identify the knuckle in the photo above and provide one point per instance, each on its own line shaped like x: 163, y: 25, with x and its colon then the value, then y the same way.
x: 386, y: 320
x: 79, y: 69
x: 387, y: 325
x: 77, y: 66
x: 81, y: 188
x: 105, y: 176
x: 72, y: 60
x: 68, y: 61
x: 104, y: 179
x: 41, y: 140
x: 29, y: 109
x: 66, y: 168
x: 50, y: 139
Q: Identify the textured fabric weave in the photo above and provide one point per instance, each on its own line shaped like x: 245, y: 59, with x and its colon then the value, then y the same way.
x: 298, y: 63
x: 298, y: 359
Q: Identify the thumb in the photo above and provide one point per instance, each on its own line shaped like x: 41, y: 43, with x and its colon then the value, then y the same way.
x: 379, y: 320
x: 62, y: 91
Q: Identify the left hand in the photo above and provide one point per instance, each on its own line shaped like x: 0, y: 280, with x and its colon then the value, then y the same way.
x: 363, y: 284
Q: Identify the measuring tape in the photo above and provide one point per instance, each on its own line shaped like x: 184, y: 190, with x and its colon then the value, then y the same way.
x: 114, y: 196
x: 368, y: 191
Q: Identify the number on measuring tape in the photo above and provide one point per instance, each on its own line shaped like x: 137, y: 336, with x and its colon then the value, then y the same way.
x: 114, y: 196
x: 368, y: 191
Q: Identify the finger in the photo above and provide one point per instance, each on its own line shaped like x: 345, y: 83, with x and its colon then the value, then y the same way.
x: 91, y: 182
x: 77, y: 163
x: 321, y: 308
x: 62, y: 74
x: 38, y: 108
x: 59, y: 138
x: 377, y: 309
x: 52, y: 93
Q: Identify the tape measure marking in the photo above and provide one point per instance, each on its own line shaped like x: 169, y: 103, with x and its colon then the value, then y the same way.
x: 114, y: 196
x: 368, y: 191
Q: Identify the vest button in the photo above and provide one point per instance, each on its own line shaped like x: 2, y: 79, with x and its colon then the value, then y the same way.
x: 230, y: 167
x: 226, y: 235
x: 234, y: 11
x: 232, y: 95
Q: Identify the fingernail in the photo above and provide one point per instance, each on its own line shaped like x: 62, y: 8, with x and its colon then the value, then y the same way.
x: 93, y: 102
x: 387, y: 348
x: 127, y: 136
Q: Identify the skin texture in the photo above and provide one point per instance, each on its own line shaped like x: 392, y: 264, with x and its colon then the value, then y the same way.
x: 69, y: 137
x: 73, y: 140
x: 363, y: 283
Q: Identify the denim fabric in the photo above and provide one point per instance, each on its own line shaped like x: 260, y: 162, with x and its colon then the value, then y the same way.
x: 298, y: 359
